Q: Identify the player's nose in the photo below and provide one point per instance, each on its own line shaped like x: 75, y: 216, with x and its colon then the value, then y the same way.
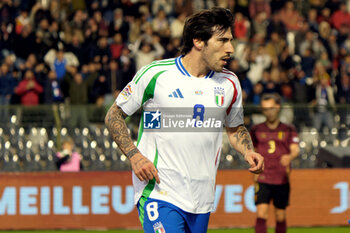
x: 229, y: 48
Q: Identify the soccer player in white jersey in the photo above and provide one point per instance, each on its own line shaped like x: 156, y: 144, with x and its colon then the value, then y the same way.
x: 174, y: 172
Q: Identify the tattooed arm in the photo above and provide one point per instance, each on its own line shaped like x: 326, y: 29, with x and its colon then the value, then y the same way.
x: 142, y: 167
x: 240, y: 139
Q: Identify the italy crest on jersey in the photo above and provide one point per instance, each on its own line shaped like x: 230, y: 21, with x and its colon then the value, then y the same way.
x: 158, y: 228
x: 219, y: 94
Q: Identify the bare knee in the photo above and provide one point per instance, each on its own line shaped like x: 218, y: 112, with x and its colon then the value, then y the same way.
x: 280, y: 215
x: 262, y: 211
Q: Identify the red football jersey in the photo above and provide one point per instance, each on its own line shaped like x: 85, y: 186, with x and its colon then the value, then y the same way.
x: 272, y: 144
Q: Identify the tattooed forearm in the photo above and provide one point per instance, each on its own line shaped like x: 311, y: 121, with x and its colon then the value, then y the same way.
x: 132, y: 152
x: 119, y: 132
x: 240, y: 139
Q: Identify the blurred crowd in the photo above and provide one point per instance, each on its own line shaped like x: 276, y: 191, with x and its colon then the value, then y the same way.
x: 86, y: 51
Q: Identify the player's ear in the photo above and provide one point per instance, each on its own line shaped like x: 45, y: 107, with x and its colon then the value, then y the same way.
x: 198, y: 44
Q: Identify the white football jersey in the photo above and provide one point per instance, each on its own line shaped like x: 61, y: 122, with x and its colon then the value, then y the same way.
x: 186, y: 161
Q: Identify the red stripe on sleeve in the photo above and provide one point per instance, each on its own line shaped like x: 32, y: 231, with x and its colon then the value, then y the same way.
x: 234, y: 96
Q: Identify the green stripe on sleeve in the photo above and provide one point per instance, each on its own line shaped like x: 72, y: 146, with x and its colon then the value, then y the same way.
x: 138, y: 77
x: 148, y: 94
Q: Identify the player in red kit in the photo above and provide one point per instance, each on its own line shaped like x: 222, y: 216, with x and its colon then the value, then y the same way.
x: 278, y: 144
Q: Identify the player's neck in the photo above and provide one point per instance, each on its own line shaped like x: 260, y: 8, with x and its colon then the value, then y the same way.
x: 195, y: 65
x: 273, y: 125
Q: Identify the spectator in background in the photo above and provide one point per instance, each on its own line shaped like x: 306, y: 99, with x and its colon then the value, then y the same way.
x: 100, y: 88
x: 343, y: 96
x: 172, y: 48
x: 116, y: 46
x: 325, y: 62
x: 312, y: 20
x: 285, y: 85
x: 163, y: 5
x: 307, y: 62
x: 259, y: 25
x: 301, y: 95
x: 324, y: 101
x: 275, y: 46
x: 21, y: 21
x: 114, y: 78
x: 40, y: 47
x: 7, y: 85
x: 29, y: 89
x: 183, y: 6
x: 77, y: 47
x: 286, y: 61
x: 270, y: 85
x: 27, y: 64
x: 78, y: 94
x: 60, y: 64
x: 177, y: 25
x: 308, y: 42
x: 59, y: 61
x: 127, y: 66
x: 54, y: 38
x: 241, y: 27
x: 259, y: 60
x: 101, y: 52
x: 258, y: 6
x: 52, y: 89
x: 68, y: 160
x: 340, y: 17
x: 119, y: 25
x: 324, y: 16
x: 160, y: 24
x: 78, y: 21
x: 258, y: 90
x: 101, y: 23
x: 291, y: 17
x: 24, y: 42
x: 144, y: 52
x: 276, y: 25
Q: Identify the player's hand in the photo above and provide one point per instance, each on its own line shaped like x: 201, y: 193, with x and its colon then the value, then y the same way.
x: 256, y: 162
x: 144, y: 168
x: 285, y: 160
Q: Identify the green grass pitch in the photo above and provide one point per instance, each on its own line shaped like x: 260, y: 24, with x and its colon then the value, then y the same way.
x: 290, y: 230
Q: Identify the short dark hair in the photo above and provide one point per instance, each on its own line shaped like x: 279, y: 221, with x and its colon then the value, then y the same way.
x: 276, y: 97
x: 201, y: 26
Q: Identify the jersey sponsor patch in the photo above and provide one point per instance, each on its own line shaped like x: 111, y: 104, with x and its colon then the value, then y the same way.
x: 219, y: 94
x: 127, y: 91
x: 152, y: 120
x: 158, y: 227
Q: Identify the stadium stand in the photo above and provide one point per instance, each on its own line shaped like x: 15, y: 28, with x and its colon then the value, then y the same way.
x: 82, y: 53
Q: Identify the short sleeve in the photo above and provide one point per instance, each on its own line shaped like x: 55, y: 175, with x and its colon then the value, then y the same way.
x: 132, y: 97
x: 234, y: 112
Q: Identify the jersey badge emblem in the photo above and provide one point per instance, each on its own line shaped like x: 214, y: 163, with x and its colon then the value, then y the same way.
x: 219, y: 94
x: 126, y: 92
x: 280, y: 135
x: 158, y: 227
